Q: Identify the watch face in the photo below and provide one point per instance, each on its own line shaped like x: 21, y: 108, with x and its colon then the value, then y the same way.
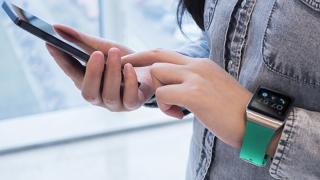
x: 270, y: 103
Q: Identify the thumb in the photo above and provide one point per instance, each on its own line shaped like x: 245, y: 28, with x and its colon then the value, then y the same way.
x: 75, y: 37
x: 170, y: 99
x: 173, y: 111
x: 148, y: 58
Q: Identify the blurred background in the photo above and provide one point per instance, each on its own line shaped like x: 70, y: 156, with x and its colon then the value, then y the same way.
x: 48, y: 132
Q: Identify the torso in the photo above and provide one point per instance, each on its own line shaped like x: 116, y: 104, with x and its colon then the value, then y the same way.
x: 274, y: 43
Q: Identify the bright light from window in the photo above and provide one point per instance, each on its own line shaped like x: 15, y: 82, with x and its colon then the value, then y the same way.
x: 30, y: 80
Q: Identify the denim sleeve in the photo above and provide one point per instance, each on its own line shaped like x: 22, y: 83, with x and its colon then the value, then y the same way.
x: 298, y: 152
x: 195, y: 49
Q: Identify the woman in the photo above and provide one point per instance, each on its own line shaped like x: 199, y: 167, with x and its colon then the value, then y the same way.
x: 245, y: 44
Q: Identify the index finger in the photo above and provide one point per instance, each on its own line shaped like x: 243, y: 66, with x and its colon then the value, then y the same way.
x: 86, y: 42
x: 155, y: 56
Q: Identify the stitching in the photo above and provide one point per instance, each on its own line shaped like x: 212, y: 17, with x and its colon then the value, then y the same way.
x: 211, y: 159
x: 269, y: 67
x: 250, y: 8
x: 209, y: 17
x: 285, y: 145
x: 313, y: 4
x: 225, y: 53
x: 201, y: 159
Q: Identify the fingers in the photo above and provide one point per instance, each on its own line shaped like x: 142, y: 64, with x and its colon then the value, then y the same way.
x: 150, y: 57
x: 112, y: 81
x: 68, y: 64
x: 68, y: 33
x: 170, y: 98
x: 86, y: 42
x: 175, y: 111
x: 172, y: 95
x: 168, y: 109
x: 169, y: 73
x: 91, y: 85
x: 131, y: 91
x: 168, y: 82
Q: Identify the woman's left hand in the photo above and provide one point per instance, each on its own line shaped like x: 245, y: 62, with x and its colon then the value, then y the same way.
x: 200, y: 86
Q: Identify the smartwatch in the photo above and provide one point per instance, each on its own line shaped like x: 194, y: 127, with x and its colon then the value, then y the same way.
x: 265, y: 113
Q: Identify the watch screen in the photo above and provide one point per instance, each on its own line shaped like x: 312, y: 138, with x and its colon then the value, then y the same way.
x: 270, y: 103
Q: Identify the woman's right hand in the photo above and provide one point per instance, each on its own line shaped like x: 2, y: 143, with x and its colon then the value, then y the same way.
x: 100, y: 80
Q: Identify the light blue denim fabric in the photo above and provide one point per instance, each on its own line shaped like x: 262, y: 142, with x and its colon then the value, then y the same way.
x: 276, y: 44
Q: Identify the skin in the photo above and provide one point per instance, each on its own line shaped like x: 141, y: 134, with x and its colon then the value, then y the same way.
x: 100, y: 80
x: 204, y: 88
x: 199, y: 85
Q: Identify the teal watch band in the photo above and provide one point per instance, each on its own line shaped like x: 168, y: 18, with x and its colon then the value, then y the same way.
x: 255, y: 143
x: 265, y: 113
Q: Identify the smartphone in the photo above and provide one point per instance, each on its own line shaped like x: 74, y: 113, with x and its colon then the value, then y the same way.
x: 42, y: 30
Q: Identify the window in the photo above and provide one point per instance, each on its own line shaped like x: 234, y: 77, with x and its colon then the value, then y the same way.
x: 30, y: 81
x: 39, y: 103
x: 145, y: 24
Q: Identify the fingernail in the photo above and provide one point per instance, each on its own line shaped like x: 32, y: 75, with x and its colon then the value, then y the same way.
x: 114, y: 51
x: 127, y: 68
x: 98, y: 55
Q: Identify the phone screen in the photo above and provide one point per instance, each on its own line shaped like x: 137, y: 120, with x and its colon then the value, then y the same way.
x: 43, y: 30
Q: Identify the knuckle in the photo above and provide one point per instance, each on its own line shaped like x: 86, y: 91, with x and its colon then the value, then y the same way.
x: 157, y: 68
x: 159, y: 93
x: 131, y: 105
x: 88, y: 97
x: 195, y: 90
x: 112, y: 104
x: 109, y: 101
x: 203, y: 62
x: 194, y: 78
x: 157, y: 51
x: 113, y: 109
x: 154, y: 67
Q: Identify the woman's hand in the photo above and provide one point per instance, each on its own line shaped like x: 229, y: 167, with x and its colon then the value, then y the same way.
x: 100, y: 81
x: 202, y: 87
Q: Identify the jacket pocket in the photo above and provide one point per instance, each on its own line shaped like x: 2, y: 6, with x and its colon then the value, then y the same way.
x: 291, y: 44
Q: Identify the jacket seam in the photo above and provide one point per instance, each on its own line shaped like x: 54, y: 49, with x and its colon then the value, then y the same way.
x: 289, y: 132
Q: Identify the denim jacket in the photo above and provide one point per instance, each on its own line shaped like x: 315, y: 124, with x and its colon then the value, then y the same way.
x: 276, y: 44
